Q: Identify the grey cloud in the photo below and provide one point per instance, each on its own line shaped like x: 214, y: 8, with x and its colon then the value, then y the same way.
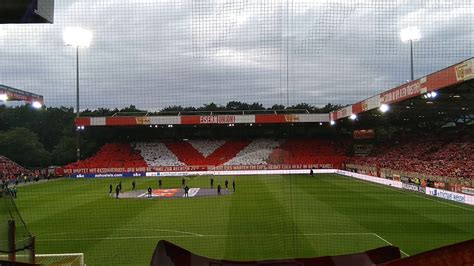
x: 158, y: 53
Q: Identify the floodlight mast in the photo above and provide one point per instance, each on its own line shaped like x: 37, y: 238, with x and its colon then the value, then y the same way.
x: 78, y: 38
x: 411, y: 34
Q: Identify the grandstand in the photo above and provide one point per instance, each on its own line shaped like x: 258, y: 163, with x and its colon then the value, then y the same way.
x: 440, y: 99
x: 237, y: 132
x: 317, y: 153
x: 9, y: 169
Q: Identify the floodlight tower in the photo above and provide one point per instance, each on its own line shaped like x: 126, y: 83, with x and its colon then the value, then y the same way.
x: 411, y: 34
x: 78, y: 38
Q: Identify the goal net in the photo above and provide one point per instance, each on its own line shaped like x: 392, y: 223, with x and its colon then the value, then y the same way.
x: 68, y: 259
x: 15, y: 239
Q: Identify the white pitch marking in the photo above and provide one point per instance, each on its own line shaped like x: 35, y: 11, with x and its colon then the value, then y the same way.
x: 190, y: 234
x: 383, y: 239
x: 144, y: 229
x: 404, y: 192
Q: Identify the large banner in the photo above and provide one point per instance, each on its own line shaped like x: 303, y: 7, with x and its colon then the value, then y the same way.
x: 85, y: 171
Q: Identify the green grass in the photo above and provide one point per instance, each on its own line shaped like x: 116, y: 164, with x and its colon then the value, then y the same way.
x: 268, y: 217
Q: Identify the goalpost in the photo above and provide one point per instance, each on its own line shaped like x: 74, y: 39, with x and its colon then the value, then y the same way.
x: 66, y: 259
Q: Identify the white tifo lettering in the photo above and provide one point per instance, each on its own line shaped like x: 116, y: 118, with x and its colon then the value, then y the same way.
x: 217, y: 119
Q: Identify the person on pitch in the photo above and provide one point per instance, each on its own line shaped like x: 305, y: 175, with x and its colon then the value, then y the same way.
x: 133, y: 185
x: 311, y: 173
x: 219, y: 189
x: 226, y: 184
x: 110, y: 189
x: 160, y: 184
x: 186, y: 189
x: 149, y: 192
x: 212, y: 183
x: 120, y: 185
x: 117, y: 191
x: 233, y: 184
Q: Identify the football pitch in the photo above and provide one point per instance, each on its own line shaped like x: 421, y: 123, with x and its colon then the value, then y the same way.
x: 269, y: 216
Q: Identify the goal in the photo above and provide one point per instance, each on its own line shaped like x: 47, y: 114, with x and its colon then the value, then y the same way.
x: 67, y: 259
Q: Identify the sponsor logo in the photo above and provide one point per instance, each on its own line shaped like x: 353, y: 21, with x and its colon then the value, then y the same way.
x: 292, y: 118
x: 447, y: 195
x: 413, y: 188
x: 143, y: 120
x: 464, y: 71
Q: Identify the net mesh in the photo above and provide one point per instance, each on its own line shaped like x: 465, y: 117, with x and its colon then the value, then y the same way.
x: 74, y: 259
x: 9, y: 214
x: 192, y: 53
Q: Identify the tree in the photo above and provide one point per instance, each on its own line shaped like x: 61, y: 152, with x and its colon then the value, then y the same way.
x: 65, y: 151
x: 22, y: 146
x: 256, y: 106
x: 173, y: 108
x: 277, y: 107
x: 236, y: 105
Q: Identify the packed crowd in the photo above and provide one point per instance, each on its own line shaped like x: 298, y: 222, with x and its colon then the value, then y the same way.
x: 112, y: 155
x: 157, y: 154
x: 10, y: 170
x: 451, y: 157
x: 215, y: 153
x: 256, y: 153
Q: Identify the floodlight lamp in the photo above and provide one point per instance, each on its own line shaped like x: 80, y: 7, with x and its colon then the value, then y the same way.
x: 36, y: 105
x: 384, y: 108
x: 3, y: 97
x: 332, y: 122
x: 434, y: 94
x: 353, y: 117
x: 77, y: 37
x: 410, y: 34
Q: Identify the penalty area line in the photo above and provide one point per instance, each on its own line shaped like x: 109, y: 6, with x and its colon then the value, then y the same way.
x: 195, y: 235
x: 384, y: 240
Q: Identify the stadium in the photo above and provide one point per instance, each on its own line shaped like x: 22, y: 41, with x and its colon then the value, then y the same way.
x: 232, y: 132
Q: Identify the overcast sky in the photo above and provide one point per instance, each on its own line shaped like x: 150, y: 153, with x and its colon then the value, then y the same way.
x: 154, y: 53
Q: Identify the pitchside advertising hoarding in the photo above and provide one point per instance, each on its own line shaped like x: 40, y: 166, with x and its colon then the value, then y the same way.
x: 448, y: 195
x: 109, y: 175
x: 467, y: 190
x: 413, y: 187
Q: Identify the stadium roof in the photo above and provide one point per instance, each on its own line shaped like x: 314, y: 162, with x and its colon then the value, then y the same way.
x: 453, y: 100
x: 26, y: 11
x: 19, y: 95
x: 448, y: 82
